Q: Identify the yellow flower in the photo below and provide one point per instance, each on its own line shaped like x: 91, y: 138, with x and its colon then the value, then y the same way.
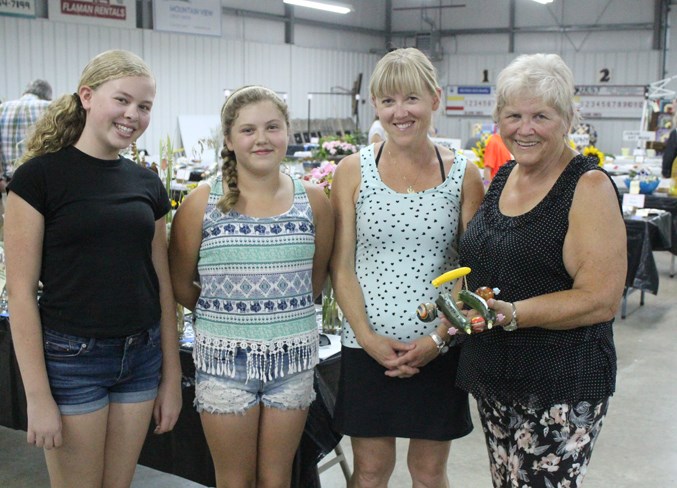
x: 479, y: 148
x: 594, y: 152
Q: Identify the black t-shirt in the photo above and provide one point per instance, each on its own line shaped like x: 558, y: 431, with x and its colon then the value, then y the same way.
x: 97, y: 270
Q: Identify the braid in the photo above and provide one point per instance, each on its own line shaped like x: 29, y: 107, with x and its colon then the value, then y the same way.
x: 229, y: 172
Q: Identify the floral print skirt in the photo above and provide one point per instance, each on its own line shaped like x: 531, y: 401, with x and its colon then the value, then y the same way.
x: 547, y: 448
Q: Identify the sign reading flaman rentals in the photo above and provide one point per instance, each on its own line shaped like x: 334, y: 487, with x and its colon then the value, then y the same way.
x: 111, y: 13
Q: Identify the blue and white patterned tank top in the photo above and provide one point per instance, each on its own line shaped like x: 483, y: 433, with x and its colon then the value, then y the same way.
x: 256, y: 289
x: 403, y: 242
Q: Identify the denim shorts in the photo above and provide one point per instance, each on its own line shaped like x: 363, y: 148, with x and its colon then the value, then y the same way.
x: 223, y: 394
x: 86, y: 374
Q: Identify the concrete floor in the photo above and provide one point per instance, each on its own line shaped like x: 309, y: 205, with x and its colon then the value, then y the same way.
x: 636, y: 447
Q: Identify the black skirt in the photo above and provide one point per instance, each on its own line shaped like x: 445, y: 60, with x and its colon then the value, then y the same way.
x: 426, y: 406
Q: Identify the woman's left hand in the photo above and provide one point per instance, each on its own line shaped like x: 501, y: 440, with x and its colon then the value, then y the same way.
x: 424, y: 352
x: 167, y: 406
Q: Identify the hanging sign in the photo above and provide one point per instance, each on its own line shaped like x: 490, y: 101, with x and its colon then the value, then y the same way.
x: 610, y: 101
x: 111, y: 13
x: 470, y: 100
x: 593, y: 101
x: 639, y: 135
x: 202, y: 17
x: 17, y: 8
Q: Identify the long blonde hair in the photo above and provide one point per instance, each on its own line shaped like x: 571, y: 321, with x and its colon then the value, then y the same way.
x: 64, y: 120
x: 231, y: 108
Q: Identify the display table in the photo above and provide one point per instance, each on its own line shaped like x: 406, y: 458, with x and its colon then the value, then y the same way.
x: 184, y: 451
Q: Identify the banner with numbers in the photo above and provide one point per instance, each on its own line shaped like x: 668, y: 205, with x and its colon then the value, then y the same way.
x: 610, y: 101
x: 470, y: 100
x: 17, y: 8
x: 593, y: 101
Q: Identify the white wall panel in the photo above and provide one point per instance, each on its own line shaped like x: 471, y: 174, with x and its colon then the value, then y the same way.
x: 192, y: 71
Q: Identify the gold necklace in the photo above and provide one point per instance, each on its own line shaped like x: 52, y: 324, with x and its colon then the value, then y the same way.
x: 410, y: 187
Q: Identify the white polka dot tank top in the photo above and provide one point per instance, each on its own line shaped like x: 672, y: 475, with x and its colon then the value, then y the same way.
x: 403, y: 242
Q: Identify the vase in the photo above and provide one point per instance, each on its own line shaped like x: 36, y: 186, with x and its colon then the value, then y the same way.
x: 331, y: 314
x: 180, y: 319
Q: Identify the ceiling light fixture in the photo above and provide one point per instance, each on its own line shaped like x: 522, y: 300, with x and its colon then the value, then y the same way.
x: 326, y: 6
x: 544, y: 2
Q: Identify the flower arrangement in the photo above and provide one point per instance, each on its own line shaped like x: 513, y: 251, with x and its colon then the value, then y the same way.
x: 335, y: 146
x: 648, y: 182
x: 479, y: 148
x: 322, y: 176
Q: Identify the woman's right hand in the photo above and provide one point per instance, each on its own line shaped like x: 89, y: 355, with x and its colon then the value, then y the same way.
x: 44, y: 422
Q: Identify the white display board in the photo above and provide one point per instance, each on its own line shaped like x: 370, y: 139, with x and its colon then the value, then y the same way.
x: 17, y: 8
x: 202, y: 17
x: 593, y: 101
x: 610, y: 101
x: 469, y: 100
x: 196, y: 128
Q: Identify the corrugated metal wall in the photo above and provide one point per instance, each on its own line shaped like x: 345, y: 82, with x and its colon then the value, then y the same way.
x: 193, y: 71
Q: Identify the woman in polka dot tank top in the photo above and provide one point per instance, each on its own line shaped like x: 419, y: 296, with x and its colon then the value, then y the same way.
x: 400, y: 207
x: 550, y: 235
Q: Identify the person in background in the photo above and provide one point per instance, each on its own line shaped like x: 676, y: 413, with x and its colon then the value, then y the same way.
x: 495, y: 156
x: 376, y: 132
x: 670, y: 151
x: 98, y: 353
x: 260, y: 242
x: 400, y: 206
x: 543, y: 381
x: 16, y: 118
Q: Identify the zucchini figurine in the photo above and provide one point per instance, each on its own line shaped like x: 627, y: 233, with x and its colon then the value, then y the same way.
x: 447, y: 305
x: 427, y: 312
x: 476, y: 302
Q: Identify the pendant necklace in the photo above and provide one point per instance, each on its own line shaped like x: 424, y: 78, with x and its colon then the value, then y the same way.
x: 410, y: 187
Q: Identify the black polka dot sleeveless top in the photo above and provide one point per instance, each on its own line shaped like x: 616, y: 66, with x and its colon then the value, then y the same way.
x: 522, y: 256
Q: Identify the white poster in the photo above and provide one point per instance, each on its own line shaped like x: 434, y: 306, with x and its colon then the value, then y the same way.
x: 111, y: 13
x: 470, y: 100
x: 17, y: 8
x: 202, y: 17
x: 610, y: 101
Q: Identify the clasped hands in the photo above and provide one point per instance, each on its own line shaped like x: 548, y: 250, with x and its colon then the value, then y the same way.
x: 401, y: 359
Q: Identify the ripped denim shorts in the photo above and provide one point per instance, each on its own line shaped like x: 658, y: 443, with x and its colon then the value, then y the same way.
x: 235, y: 395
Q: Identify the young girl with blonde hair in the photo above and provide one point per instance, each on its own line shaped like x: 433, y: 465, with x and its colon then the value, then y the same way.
x: 260, y: 242
x: 98, y: 352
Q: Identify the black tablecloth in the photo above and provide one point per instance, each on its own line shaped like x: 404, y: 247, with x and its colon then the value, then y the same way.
x: 12, y: 394
x: 184, y: 451
x: 663, y: 202
x: 645, y: 235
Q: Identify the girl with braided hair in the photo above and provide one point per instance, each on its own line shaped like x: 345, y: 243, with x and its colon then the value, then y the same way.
x: 260, y: 243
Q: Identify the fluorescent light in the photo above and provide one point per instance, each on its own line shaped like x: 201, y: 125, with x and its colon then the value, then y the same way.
x: 328, y: 7
x: 544, y: 2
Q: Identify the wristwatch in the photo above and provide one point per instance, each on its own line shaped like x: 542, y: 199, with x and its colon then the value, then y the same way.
x: 442, y: 346
x: 513, y: 323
